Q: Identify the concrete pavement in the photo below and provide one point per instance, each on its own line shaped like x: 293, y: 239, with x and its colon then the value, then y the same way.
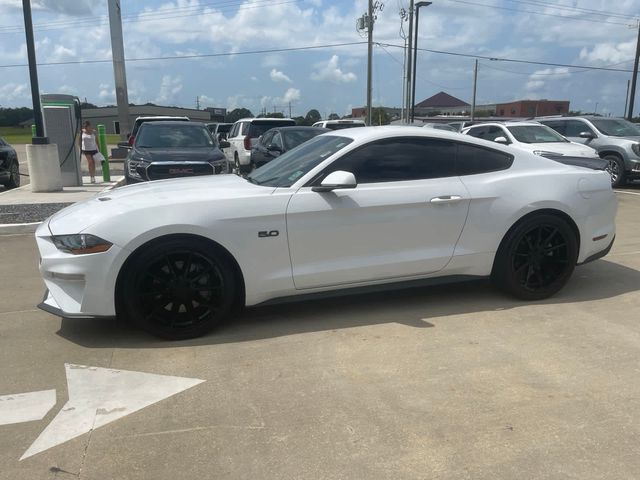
x: 450, y: 382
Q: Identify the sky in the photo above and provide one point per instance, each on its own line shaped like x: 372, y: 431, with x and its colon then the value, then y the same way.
x: 219, y: 36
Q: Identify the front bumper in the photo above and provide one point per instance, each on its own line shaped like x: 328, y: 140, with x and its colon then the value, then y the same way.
x: 80, y: 286
x: 50, y: 305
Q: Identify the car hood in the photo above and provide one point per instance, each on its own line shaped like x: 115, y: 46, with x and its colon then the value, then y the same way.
x: 179, y: 154
x: 119, y: 201
x: 571, y: 148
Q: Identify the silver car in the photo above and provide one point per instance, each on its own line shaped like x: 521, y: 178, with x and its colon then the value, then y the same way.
x: 616, y: 140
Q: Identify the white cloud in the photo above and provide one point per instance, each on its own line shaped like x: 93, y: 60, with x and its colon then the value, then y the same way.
x: 169, y: 89
x: 539, y: 78
x: 291, y: 95
x: 14, y: 91
x: 278, y: 76
x: 609, y: 53
x: 331, y: 72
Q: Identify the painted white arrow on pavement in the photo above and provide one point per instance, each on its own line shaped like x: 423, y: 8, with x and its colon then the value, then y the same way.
x: 26, y: 407
x: 98, y: 396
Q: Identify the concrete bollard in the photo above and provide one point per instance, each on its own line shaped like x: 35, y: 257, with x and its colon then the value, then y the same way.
x: 44, y: 168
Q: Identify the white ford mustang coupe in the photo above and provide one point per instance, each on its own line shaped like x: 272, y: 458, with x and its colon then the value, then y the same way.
x: 365, y: 207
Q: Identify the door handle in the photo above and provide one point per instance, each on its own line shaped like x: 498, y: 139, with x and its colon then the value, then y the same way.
x: 446, y: 199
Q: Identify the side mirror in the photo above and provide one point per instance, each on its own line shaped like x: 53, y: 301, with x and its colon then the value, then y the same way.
x: 223, y: 144
x: 274, y: 148
x: 124, y: 145
x: 502, y: 140
x: 587, y: 135
x: 336, y: 180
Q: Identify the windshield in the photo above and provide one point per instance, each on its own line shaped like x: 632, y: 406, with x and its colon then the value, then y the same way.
x: 616, y: 127
x: 161, y: 135
x: 285, y: 170
x: 536, y: 134
x: 259, y: 127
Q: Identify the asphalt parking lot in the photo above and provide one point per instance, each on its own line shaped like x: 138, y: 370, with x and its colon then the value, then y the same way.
x: 448, y: 382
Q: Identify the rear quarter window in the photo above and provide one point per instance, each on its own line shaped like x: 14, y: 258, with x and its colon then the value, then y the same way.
x: 473, y: 160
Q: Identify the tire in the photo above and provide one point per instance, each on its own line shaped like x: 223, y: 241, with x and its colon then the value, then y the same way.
x: 536, y: 257
x: 616, y: 170
x: 236, y: 162
x: 179, y: 289
x: 14, y: 176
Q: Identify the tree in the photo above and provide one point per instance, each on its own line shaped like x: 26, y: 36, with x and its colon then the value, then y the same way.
x: 85, y: 105
x: 271, y: 115
x: 312, y: 117
x: 334, y: 116
x: 299, y: 120
x: 379, y: 116
x: 238, y: 113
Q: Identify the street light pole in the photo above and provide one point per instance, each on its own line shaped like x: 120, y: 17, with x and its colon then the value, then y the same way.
x: 370, y: 60
x: 415, y: 58
x: 634, y: 79
x: 39, y: 139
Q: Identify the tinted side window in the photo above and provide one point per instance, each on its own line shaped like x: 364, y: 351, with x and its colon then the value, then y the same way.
x: 277, y: 140
x: 472, y: 160
x: 234, y: 131
x: 398, y: 159
x: 245, y: 128
x: 575, y: 127
x: 559, y: 127
x: 478, y: 132
x: 495, y: 132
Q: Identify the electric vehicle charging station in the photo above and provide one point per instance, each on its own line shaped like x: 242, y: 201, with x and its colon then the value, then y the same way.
x: 62, y: 116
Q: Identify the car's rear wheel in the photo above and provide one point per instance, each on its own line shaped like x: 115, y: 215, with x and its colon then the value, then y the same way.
x: 179, y: 289
x: 14, y: 176
x: 615, y: 168
x: 536, y: 258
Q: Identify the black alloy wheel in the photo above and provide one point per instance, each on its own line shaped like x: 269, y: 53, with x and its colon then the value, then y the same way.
x: 615, y: 168
x: 537, y: 258
x: 14, y: 176
x: 179, y: 290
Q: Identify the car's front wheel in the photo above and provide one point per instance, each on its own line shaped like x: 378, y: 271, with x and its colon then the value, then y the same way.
x: 615, y: 168
x: 536, y: 258
x: 14, y: 176
x: 179, y: 289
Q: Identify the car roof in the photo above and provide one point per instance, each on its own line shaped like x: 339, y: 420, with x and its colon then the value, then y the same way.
x: 172, y: 122
x: 346, y: 120
x: 265, y: 119
x: 505, y: 124
x: 291, y: 128
x: 161, y: 117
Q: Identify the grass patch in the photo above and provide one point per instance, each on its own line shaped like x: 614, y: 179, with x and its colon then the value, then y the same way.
x: 16, y: 135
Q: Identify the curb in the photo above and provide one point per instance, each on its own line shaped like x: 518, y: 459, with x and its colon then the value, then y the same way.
x: 18, y: 228
x: 25, y: 228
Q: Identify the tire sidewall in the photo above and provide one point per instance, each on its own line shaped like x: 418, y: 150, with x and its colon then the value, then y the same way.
x: 146, y: 257
x: 621, y: 177
x: 503, y: 273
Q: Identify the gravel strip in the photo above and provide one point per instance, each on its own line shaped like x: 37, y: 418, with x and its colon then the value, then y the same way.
x: 28, y: 213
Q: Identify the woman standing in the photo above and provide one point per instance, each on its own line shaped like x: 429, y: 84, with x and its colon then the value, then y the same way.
x: 89, y: 148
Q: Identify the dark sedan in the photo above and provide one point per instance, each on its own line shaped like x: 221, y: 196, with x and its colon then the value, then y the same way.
x: 173, y: 149
x: 9, y: 168
x: 279, y: 140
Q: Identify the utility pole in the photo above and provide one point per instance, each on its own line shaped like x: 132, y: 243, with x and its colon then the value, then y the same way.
x: 369, y: 59
x: 626, y: 99
x: 289, y: 109
x: 39, y: 139
x: 475, y: 84
x: 634, y: 78
x: 409, y: 70
x: 198, y: 102
x: 415, y: 57
x: 119, y: 71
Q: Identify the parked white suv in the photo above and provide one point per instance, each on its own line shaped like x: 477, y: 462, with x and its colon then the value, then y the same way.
x: 531, y: 136
x: 244, y: 135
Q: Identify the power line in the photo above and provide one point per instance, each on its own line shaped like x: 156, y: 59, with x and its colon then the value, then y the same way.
x: 147, y: 16
x: 513, y: 60
x: 535, y: 74
x: 590, y: 11
x: 564, y: 17
x: 199, y: 55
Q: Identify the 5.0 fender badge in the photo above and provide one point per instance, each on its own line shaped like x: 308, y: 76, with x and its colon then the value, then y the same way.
x: 270, y: 233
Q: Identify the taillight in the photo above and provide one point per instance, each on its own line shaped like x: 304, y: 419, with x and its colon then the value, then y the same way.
x: 131, y: 140
x: 247, y: 142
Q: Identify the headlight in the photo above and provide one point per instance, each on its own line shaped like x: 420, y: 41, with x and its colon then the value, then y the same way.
x: 544, y: 153
x: 636, y: 148
x: 80, y: 244
x: 132, y: 167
